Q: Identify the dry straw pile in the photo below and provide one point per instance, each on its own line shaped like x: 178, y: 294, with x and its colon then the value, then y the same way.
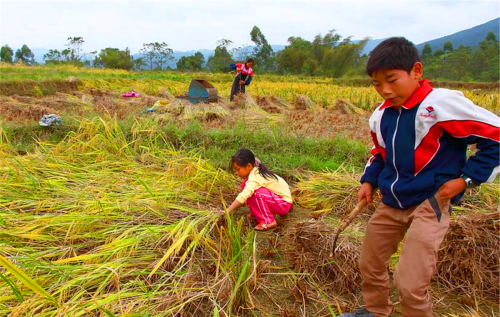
x: 469, y: 256
x: 310, y: 247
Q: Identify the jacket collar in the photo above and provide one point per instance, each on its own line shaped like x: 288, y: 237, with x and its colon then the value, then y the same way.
x: 416, y: 98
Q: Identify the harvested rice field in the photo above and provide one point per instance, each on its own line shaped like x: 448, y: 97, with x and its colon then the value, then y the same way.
x: 117, y: 211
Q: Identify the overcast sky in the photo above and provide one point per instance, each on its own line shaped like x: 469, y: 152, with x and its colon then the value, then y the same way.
x: 195, y: 24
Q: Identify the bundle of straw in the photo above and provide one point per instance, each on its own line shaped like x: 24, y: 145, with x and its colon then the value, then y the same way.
x: 245, y: 101
x: 346, y: 107
x: 204, y: 112
x: 334, y: 192
x: 309, y: 249
x: 175, y: 107
x: 469, y: 255
x: 304, y: 102
x: 272, y: 104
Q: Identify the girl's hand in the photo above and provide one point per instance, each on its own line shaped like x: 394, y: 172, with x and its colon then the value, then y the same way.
x: 452, y: 188
x: 235, y: 205
x: 242, y: 82
x: 366, y: 190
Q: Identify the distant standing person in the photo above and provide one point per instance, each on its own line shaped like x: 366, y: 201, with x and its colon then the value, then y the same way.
x: 244, y: 74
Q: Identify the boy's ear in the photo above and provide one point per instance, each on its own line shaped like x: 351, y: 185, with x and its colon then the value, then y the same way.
x: 417, y: 70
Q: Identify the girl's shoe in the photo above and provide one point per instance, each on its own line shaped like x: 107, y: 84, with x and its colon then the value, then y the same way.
x: 265, y: 226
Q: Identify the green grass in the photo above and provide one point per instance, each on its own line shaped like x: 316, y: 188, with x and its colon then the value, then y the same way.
x: 282, y: 152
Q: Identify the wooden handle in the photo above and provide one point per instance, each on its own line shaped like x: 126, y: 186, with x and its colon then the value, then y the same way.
x: 353, y: 214
x: 347, y: 221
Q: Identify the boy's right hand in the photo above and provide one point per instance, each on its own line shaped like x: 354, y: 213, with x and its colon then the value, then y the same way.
x: 366, y: 190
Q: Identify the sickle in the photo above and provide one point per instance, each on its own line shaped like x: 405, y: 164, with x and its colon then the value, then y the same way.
x: 347, y: 221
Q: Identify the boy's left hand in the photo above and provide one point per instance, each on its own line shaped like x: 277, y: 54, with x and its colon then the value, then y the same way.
x: 452, y: 188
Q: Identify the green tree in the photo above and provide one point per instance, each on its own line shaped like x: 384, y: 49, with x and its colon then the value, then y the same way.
x: 438, y: 53
x: 447, y: 47
x: 325, y: 55
x: 426, y: 52
x: 221, y: 58
x: 457, y: 63
x: 53, y: 57
x: 149, y: 54
x: 25, y: 55
x: 66, y: 54
x: 310, y: 67
x: 485, y: 61
x: 91, y: 57
x: 263, y: 52
x: 74, y: 45
x: 139, y: 63
x: 292, y: 58
x: 114, y: 58
x: 157, y: 53
x: 430, y: 61
x: 6, y: 54
x: 344, y: 57
x: 321, y: 44
x: 191, y: 63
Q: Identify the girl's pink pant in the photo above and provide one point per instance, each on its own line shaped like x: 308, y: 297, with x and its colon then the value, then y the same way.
x: 264, y: 204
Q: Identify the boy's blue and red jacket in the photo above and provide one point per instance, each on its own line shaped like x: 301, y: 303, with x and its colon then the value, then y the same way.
x: 423, y: 144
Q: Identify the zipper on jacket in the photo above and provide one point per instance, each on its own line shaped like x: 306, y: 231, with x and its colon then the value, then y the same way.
x: 394, y: 158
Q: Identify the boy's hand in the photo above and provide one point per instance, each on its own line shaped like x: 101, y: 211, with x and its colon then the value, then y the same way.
x: 366, y: 190
x: 452, y: 188
x: 242, y: 82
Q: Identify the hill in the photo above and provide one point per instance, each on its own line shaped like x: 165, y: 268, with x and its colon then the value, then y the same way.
x: 470, y: 37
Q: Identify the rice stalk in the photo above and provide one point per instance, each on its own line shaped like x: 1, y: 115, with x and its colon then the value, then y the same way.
x: 113, y: 221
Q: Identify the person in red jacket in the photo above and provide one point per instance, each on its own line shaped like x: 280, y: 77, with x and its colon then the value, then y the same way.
x: 244, y: 74
x: 419, y: 162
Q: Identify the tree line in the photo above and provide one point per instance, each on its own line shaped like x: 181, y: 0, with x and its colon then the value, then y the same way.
x: 329, y: 55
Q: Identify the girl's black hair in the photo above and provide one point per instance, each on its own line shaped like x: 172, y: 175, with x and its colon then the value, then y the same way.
x: 393, y: 53
x: 249, y: 60
x: 245, y: 156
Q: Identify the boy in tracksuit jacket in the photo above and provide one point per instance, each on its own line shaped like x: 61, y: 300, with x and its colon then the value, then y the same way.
x: 244, y: 74
x: 419, y: 162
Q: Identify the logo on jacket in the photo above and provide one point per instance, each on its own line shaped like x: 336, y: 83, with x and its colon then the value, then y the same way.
x: 429, y: 113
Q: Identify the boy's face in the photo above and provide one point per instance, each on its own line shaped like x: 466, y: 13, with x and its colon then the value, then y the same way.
x: 396, y: 85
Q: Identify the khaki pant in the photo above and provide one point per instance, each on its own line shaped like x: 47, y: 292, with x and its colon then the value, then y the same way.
x: 425, y: 226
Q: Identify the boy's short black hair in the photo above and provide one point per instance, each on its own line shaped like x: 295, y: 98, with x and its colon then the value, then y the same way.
x: 393, y: 53
x: 250, y: 60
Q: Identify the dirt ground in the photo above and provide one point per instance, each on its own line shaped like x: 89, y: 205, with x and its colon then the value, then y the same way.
x: 311, y: 121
